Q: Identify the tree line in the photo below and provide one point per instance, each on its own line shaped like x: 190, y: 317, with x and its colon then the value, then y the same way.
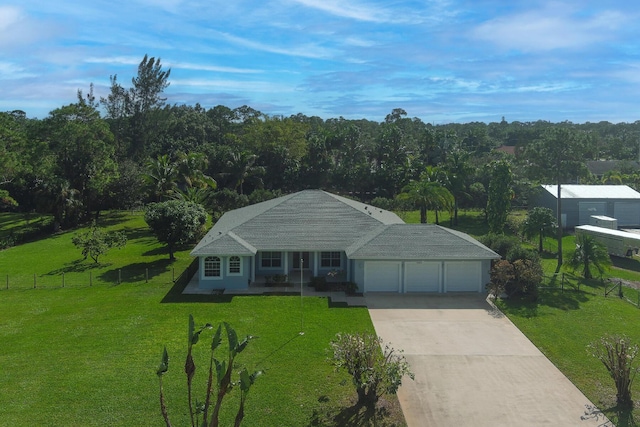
x: 130, y: 148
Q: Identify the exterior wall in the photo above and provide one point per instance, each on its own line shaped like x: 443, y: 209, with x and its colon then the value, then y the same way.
x: 226, y: 281
x: 571, y: 208
x: 486, y: 273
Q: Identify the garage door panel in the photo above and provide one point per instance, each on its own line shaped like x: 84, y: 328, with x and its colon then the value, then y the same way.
x: 627, y: 213
x: 382, y: 276
x: 462, y: 276
x: 587, y: 209
x: 422, y: 276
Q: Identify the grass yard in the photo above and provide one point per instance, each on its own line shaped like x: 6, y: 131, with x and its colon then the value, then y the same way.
x: 561, y: 325
x: 86, y: 355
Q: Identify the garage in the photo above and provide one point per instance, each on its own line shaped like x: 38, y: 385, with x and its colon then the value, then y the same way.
x: 627, y: 213
x: 382, y: 276
x: 462, y: 276
x: 422, y: 276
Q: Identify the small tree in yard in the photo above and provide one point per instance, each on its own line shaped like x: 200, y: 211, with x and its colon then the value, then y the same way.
x: 540, y: 222
x: 96, y: 242
x: 175, y: 222
x: 219, y: 382
x: 588, y: 254
x: 617, y: 354
x: 375, y: 369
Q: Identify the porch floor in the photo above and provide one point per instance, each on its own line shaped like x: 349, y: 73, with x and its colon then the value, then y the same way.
x: 294, y: 289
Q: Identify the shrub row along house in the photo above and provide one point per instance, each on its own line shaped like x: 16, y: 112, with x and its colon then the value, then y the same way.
x: 319, y: 234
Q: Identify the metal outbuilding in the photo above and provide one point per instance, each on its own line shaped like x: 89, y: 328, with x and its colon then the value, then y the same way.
x: 580, y: 202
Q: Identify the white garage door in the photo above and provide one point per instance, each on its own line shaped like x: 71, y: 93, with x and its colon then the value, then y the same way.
x: 463, y: 276
x: 627, y: 213
x: 422, y: 276
x: 382, y: 276
x: 586, y: 209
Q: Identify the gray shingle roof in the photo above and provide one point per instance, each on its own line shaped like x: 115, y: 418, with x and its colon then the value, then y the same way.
x: 310, y: 220
x: 418, y: 241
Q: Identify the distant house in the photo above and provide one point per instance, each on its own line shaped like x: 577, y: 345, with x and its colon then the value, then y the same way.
x: 599, y: 168
x: 315, y: 233
x: 580, y: 202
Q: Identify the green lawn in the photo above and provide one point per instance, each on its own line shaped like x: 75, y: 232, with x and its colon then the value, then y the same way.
x: 86, y: 355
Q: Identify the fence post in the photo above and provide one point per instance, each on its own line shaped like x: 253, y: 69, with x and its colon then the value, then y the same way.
x: 34, y: 281
x: 119, y: 276
x: 146, y: 275
x: 8, y: 282
x: 173, y: 274
x: 90, y: 278
x: 63, y: 279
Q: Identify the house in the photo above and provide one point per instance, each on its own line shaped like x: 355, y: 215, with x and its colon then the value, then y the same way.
x: 580, y: 202
x: 315, y: 233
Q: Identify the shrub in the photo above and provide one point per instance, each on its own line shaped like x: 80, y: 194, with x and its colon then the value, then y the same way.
x: 617, y: 354
x: 499, y: 243
x: 319, y: 283
x: 375, y: 369
x: 520, y: 252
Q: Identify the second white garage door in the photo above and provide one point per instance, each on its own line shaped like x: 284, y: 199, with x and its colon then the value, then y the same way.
x: 463, y: 276
x: 422, y: 276
x: 382, y: 276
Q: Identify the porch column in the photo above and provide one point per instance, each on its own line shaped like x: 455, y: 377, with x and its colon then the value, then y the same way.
x: 348, y: 269
x: 315, y: 264
x: 253, y: 260
x: 285, y: 263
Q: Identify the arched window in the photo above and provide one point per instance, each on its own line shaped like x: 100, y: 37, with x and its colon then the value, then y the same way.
x: 235, y: 266
x: 212, y: 266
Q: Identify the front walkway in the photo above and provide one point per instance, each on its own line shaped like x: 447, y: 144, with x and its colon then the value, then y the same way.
x: 472, y: 366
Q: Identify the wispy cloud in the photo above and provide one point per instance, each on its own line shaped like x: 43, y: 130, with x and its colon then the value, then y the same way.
x: 549, y: 29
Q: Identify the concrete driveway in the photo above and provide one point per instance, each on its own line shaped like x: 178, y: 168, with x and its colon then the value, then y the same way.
x: 473, y: 367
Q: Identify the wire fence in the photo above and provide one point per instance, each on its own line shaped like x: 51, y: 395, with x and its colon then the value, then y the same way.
x: 90, y: 278
x: 607, y: 287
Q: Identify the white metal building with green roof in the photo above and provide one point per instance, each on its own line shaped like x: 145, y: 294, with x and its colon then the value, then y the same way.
x: 315, y: 233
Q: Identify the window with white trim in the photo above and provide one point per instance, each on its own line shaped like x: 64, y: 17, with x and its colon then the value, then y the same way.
x: 212, y: 266
x: 235, y: 266
x: 330, y: 259
x: 271, y: 259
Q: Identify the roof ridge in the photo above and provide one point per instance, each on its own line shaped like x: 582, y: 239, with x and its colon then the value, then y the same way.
x: 243, y: 242
x: 359, y: 243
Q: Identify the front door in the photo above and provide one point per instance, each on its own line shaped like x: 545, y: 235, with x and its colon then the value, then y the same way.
x: 297, y: 257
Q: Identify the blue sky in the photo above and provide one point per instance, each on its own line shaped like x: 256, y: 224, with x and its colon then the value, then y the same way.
x: 442, y: 61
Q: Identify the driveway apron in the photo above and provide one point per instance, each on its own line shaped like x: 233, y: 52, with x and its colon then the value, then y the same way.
x: 472, y: 366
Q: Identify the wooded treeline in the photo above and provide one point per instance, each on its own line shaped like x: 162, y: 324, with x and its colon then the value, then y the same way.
x: 130, y: 148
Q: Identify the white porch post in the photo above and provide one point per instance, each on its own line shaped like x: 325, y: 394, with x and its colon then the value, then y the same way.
x: 348, y: 269
x: 285, y: 254
x: 315, y: 264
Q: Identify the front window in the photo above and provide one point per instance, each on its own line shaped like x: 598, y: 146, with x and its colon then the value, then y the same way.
x: 271, y: 259
x: 235, y: 267
x: 212, y: 266
x: 330, y: 259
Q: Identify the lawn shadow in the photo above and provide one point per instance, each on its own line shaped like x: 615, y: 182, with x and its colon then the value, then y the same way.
x: 632, y: 264
x: 175, y: 295
x: 384, y: 414
x: 137, y: 272
x: 610, y: 417
x: 110, y: 218
x: 78, y: 266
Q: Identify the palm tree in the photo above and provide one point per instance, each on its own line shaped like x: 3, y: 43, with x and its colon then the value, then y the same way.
x: 161, y: 176
x: 589, y: 253
x: 540, y: 222
x: 241, y: 167
x: 425, y: 195
x: 190, y: 167
x: 458, y: 171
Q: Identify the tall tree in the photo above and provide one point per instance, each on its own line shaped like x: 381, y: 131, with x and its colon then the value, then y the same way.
x: 427, y: 194
x: 556, y: 156
x: 458, y: 171
x: 146, y: 102
x: 82, y: 148
x: 500, y: 194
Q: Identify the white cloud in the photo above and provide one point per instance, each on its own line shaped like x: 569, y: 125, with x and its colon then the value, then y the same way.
x: 235, y: 85
x: 305, y: 51
x: 549, y: 29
